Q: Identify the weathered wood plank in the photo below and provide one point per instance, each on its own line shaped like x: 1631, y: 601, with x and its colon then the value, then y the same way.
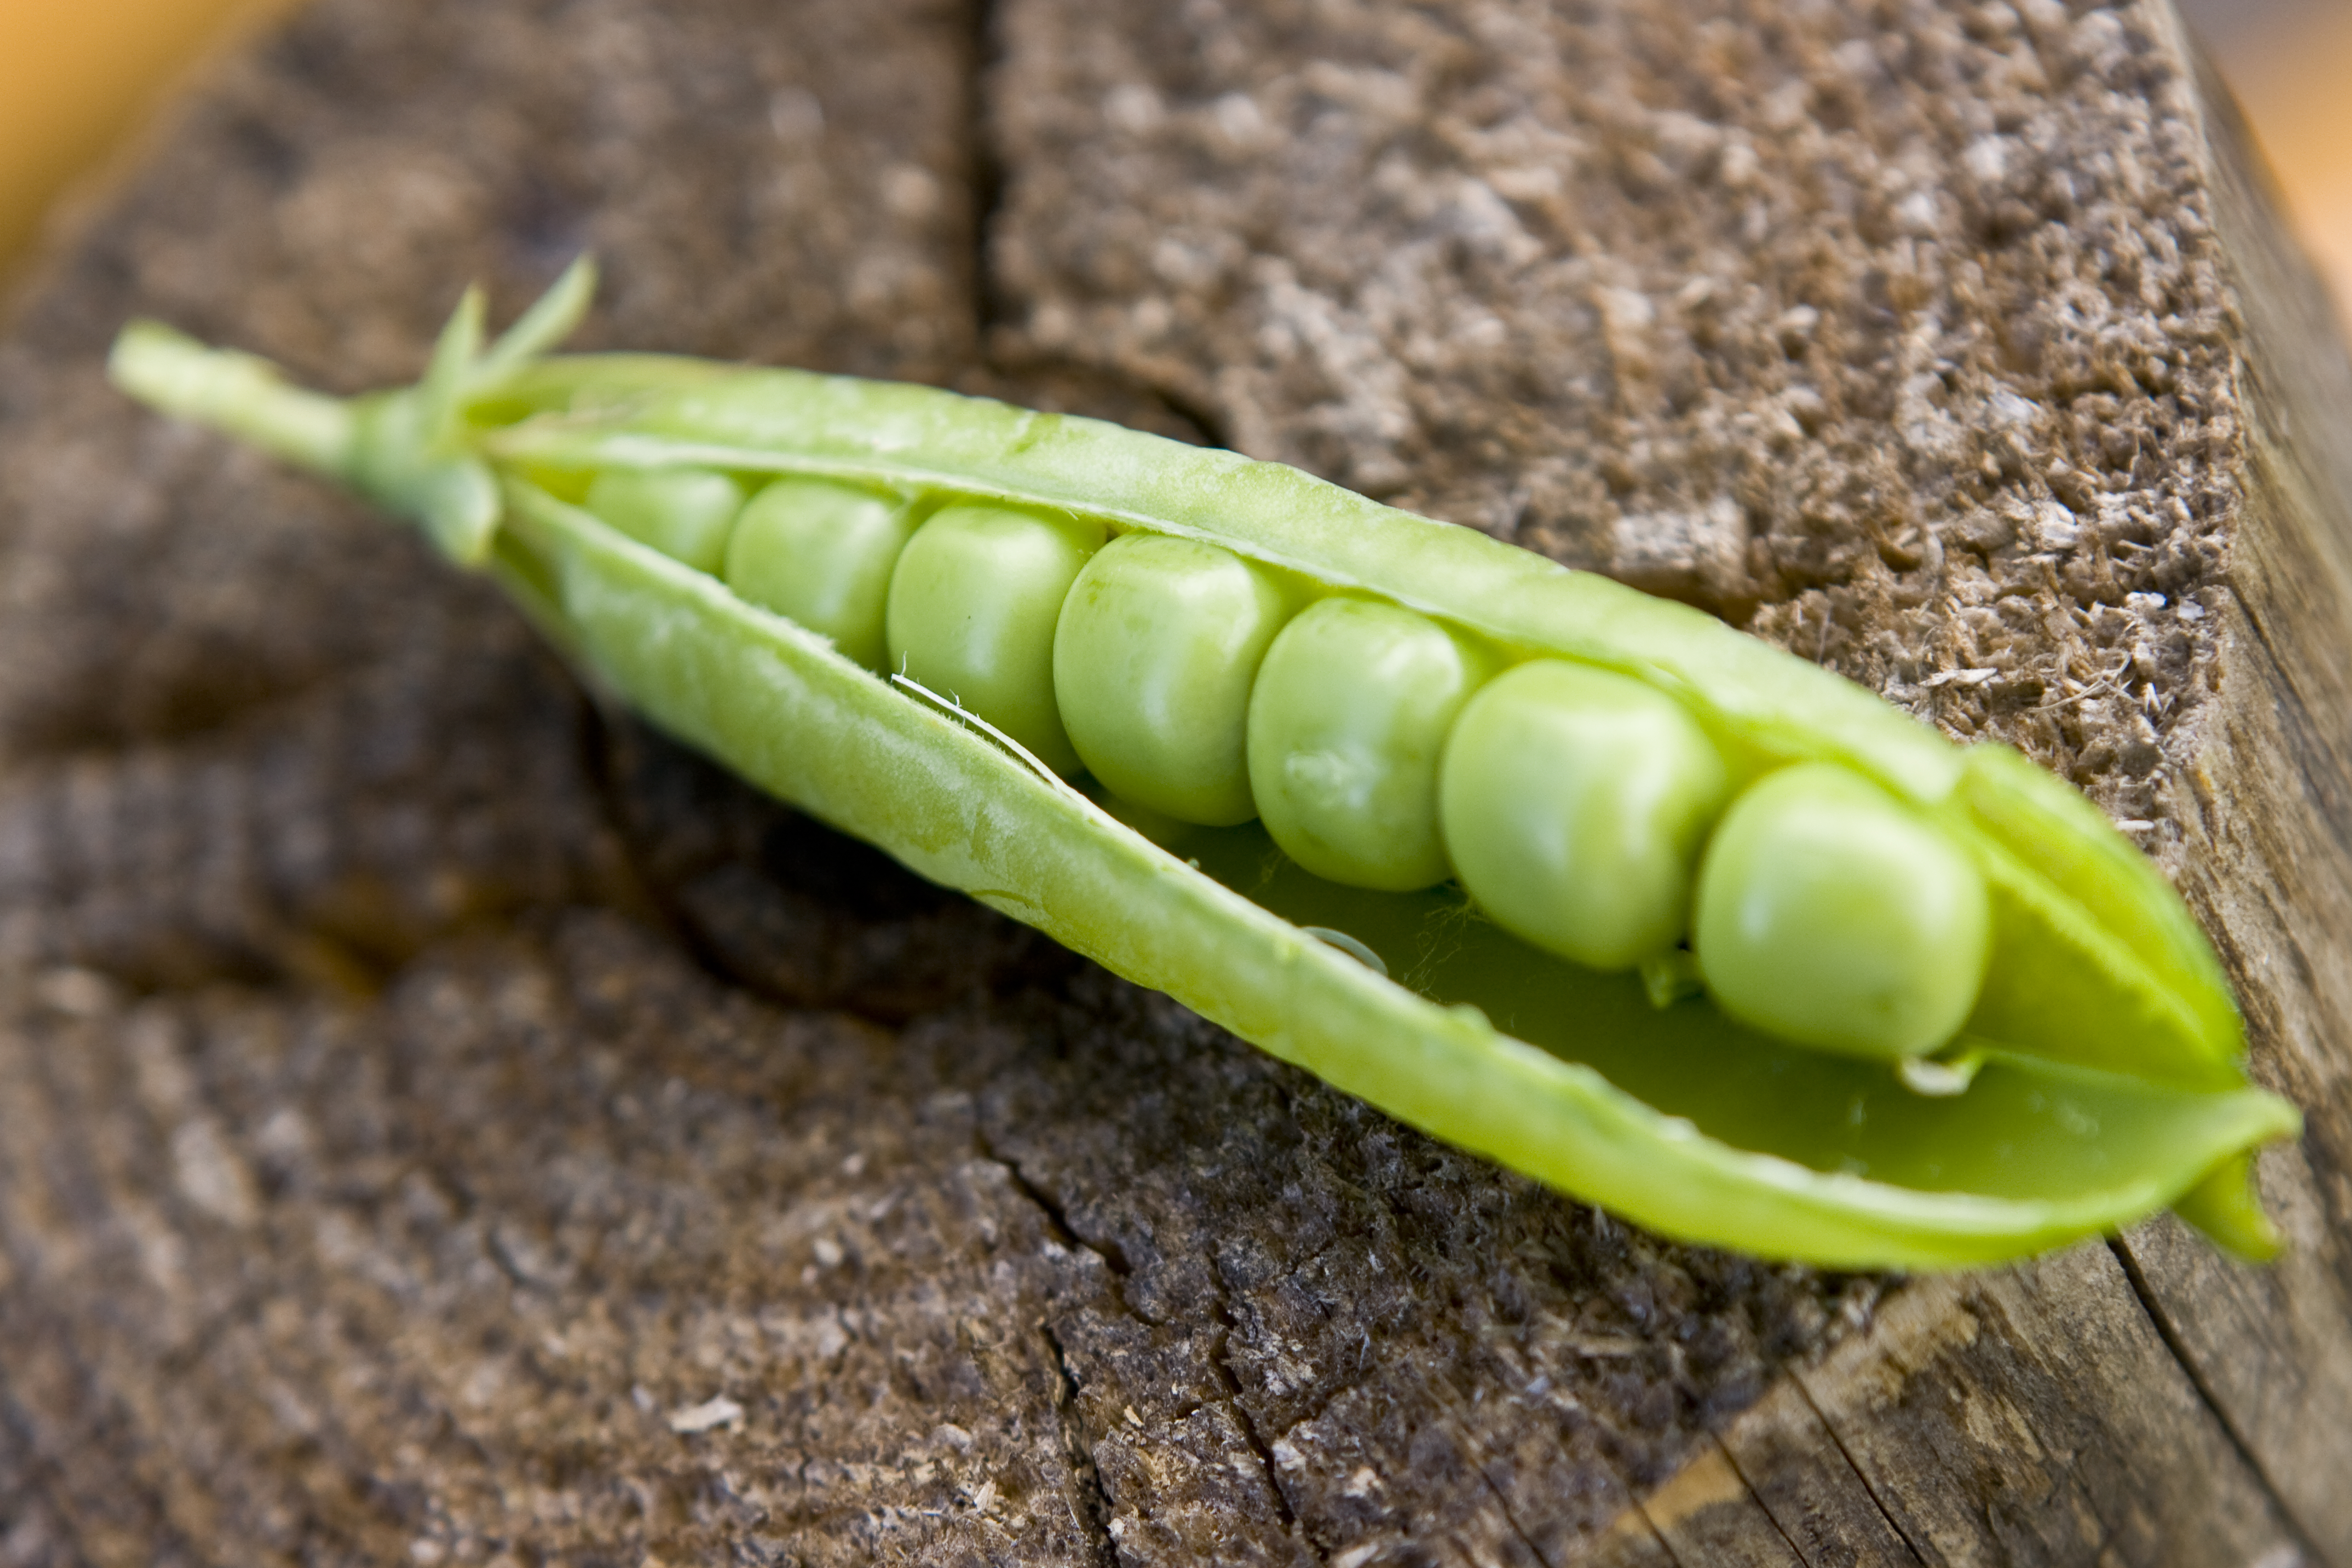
x: 2273, y: 1350
x: 1707, y: 1514
x: 2036, y: 1417
x: 2030, y: 1417
x: 426, y: 1096
x: 1795, y: 1466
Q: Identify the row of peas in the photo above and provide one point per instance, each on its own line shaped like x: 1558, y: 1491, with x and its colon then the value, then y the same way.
x: 1585, y: 812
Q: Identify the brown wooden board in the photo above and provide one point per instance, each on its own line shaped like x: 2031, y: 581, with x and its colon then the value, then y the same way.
x: 443, y: 1122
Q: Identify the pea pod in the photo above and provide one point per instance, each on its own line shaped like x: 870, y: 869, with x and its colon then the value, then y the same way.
x: 2024, y: 1039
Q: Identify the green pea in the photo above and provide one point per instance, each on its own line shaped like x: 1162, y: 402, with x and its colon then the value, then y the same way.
x: 685, y: 514
x: 972, y: 612
x: 2112, y: 1080
x: 1573, y: 802
x: 1830, y: 915
x: 1346, y: 724
x: 821, y: 553
x: 1159, y: 642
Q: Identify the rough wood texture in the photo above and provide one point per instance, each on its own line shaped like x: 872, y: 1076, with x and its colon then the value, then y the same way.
x: 445, y: 1123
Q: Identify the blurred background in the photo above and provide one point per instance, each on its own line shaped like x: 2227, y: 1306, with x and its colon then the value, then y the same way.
x: 2290, y: 64
x: 79, y: 77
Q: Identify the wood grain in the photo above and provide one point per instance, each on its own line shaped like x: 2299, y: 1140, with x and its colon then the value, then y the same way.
x: 445, y: 1122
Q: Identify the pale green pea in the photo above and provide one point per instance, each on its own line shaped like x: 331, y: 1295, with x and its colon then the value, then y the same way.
x: 685, y: 514
x: 1346, y: 724
x: 973, y: 606
x: 821, y: 553
x: 2112, y: 1079
x: 1159, y: 643
x: 1574, y: 802
x: 1833, y: 917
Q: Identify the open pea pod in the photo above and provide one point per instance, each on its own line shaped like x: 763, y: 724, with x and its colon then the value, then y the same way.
x: 2102, y: 1072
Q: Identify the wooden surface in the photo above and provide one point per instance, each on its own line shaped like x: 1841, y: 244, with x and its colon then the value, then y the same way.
x: 445, y: 1123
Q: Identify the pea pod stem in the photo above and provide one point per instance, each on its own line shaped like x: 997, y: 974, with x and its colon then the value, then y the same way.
x: 237, y: 393
x: 1659, y: 1107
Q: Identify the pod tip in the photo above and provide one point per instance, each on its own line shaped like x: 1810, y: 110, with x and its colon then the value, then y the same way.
x: 2226, y: 1205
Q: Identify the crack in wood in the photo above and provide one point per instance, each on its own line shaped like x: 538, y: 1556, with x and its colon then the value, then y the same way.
x: 1805, y: 1392
x: 1511, y: 1518
x: 1091, y: 1510
x: 2179, y: 1348
x: 1732, y: 1462
x: 987, y: 173
x: 1657, y: 1534
x: 1115, y: 1261
x: 1221, y: 1360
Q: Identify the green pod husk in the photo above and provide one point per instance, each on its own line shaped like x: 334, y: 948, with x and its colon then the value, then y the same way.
x: 2112, y: 1080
